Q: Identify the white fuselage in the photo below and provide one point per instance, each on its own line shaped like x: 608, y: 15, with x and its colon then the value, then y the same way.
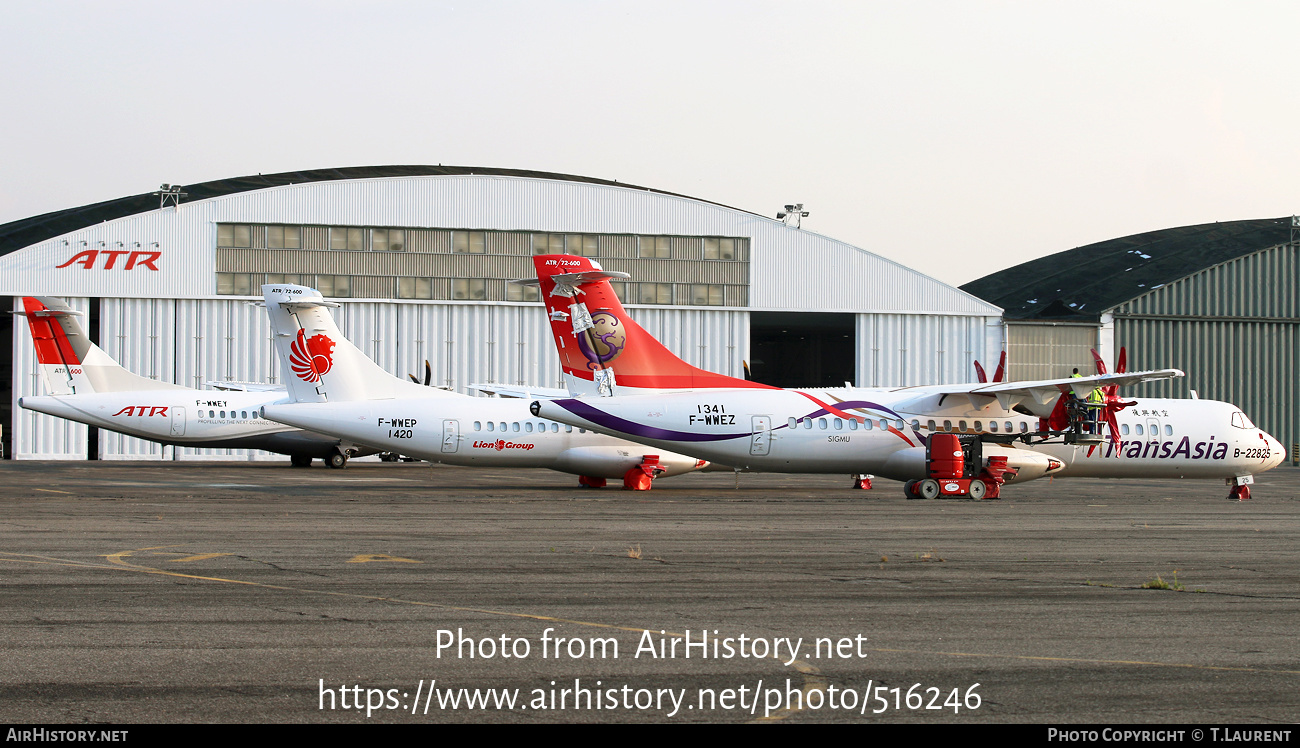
x: 476, y: 431
x: 186, y: 417
x: 815, y: 431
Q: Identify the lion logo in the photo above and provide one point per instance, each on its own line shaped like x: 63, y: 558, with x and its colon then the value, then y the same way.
x: 309, y: 358
x: 605, y: 341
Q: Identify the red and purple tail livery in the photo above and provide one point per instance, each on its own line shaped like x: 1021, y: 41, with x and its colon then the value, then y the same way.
x: 594, y: 334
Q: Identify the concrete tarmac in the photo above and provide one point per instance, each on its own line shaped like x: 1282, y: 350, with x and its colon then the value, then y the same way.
x: 256, y: 592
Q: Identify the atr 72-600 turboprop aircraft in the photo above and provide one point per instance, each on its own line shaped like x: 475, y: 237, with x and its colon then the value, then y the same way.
x: 337, y: 390
x: 909, y: 433
x: 86, y: 385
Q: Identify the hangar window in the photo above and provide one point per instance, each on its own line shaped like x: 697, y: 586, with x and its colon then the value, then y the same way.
x: 415, y: 288
x: 334, y: 285
x: 342, y: 237
x: 582, y: 245
x: 658, y: 247
x: 469, y: 289
x: 656, y: 293
x: 707, y: 295
x: 234, y: 235
x: 516, y: 292
x: 387, y: 240
x: 235, y: 284
x: 283, y: 237
x: 469, y: 242
x: 719, y: 249
x: 548, y: 244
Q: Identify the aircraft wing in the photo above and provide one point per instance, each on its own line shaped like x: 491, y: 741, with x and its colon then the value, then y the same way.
x: 1044, y: 391
x: 527, y: 393
x: 246, y: 386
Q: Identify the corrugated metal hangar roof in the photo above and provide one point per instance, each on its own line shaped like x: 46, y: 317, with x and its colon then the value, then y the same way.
x: 1081, y: 283
x: 28, y: 231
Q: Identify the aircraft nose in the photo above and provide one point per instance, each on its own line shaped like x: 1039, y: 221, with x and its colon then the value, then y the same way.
x: 1277, y: 452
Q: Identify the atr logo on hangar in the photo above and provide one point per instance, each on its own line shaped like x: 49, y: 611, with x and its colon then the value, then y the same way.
x: 134, y: 259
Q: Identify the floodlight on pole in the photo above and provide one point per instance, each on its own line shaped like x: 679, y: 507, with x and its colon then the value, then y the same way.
x: 793, y: 214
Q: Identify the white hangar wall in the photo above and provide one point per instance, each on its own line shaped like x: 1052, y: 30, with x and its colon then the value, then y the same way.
x: 170, y: 324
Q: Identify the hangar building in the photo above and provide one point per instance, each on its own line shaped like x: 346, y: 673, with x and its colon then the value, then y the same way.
x: 419, y: 257
x: 1221, y: 301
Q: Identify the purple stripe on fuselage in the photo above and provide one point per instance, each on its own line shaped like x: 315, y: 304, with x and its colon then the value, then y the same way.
x: 622, y: 425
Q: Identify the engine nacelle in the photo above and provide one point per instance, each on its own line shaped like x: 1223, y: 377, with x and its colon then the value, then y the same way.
x: 1029, y: 464
x: 614, y: 462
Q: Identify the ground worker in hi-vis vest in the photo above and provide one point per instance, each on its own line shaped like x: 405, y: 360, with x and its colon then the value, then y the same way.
x: 1096, y: 401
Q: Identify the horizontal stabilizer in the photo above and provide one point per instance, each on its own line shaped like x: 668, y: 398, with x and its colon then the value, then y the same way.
x: 526, y: 393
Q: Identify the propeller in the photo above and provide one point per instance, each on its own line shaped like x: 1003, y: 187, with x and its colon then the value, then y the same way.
x: 997, y: 375
x: 1111, y: 404
x: 428, y: 374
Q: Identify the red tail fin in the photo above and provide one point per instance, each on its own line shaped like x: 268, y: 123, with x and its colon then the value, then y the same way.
x: 596, y: 338
x: 52, y: 344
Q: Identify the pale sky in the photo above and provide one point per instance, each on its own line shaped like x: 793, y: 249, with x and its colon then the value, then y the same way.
x: 958, y: 138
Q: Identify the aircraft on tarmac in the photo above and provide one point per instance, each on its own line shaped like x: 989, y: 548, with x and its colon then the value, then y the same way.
x: 336, y: 389
x: 86, y: 385
x: 629, y: 385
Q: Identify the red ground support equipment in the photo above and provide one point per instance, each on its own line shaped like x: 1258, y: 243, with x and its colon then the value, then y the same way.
x: 951, y: 466
x: 862, y: 481
x: 641, y: 477
x: 588, y: 482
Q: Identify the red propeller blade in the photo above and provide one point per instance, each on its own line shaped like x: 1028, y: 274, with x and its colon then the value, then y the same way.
x: 979, y: 373
x: 1002, y: 368
x: 1101, y: 365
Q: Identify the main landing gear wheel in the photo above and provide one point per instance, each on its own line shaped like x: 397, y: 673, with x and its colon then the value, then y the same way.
x: 300, y: 460
x: 337, y: 460
x: 909, y: 489
x: 929, y: 489
x: 978, y: 489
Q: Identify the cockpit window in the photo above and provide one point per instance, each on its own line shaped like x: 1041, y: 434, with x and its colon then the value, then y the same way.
x: 1240, y: 420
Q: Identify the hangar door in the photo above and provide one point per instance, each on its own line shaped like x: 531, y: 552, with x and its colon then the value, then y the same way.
x: 802, y: 349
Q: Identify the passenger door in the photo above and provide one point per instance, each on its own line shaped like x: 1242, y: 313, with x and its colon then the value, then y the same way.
x: 450, y: 435
x: 760, y: 442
